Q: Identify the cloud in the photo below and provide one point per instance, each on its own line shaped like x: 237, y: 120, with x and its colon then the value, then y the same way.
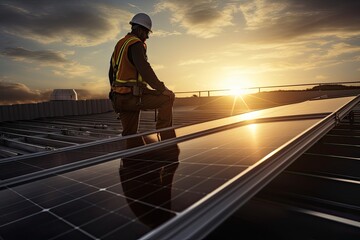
x: 72, y: 70
x: 304, y: 55
x: 157, y: 66
x: 162, y: 33
x: 203, y: 19
x: 266, y: 19
x: 136, y: 7
x: 16, y: 93
x: 342, y: 49
x: 84, y: 94
x: 61, y: 66
x: 194, y: 61
x: 292, y: 18
x: 75, y: 23
x: 261, y: 13
x: 321, y: 77
x: 43, y: 56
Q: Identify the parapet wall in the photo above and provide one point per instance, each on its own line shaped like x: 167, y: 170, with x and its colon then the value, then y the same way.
x: 53, y: 109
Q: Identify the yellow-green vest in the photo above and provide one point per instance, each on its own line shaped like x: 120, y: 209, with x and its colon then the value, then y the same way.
x: 126, y: 73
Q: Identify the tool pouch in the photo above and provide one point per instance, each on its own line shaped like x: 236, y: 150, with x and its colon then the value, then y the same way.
x: 137, y: 91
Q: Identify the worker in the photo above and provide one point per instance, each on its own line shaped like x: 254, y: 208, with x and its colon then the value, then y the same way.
x: 130, y: 74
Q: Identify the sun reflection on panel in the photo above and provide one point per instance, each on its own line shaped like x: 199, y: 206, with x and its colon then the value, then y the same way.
x: 249, y: 116
x: 253, y: 128
x: 252, y: 135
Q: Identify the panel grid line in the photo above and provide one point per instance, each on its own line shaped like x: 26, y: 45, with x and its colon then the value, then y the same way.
x: 55, y: 215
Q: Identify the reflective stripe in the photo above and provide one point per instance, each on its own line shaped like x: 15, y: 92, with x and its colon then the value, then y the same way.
x: 127, y: 81
x: 121, y: 53
x: 120, y: 57
x: 131, y: 82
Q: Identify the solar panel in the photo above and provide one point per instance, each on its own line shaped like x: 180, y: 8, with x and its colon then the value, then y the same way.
x: 175, y: 188
x: 33, y: 163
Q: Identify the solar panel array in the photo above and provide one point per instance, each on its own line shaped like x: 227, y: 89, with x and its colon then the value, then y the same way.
x: 169, y: 184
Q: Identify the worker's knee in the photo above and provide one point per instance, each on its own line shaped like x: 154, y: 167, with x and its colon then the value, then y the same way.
x: 170, y: 101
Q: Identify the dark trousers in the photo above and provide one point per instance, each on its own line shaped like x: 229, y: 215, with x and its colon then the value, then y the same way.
x: 129, y: 107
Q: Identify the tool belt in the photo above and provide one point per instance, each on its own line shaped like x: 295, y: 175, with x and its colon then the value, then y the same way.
x: 121, y: 90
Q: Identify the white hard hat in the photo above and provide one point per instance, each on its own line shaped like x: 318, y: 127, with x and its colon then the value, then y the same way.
x: 143, y: 20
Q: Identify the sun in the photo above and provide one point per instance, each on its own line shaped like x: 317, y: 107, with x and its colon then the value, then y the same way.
x: 237, y: 91
x: 236, y: 83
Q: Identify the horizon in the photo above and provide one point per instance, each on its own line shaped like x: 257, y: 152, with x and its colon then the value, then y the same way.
x: 194, y: 46
x: 236, y: 94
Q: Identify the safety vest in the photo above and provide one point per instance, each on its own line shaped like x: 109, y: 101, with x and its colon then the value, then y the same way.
x: 126, y: 73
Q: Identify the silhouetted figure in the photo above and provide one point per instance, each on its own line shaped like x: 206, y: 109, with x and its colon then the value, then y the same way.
x: 147, y: 181
x: 130, y: 73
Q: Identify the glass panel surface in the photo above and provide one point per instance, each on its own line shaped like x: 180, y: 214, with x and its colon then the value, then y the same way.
x: 37, y: 163
x: 303, y: 108
x: 129, y: 197
x: 34, y: 164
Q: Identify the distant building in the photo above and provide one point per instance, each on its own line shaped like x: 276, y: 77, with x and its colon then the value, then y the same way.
x: 63, y: 94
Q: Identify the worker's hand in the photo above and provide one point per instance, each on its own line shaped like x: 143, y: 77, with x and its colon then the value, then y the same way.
x: 169, y: 93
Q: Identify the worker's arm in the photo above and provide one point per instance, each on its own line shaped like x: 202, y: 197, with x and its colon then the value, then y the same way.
x: 138, y: 57
x: 111, y: 73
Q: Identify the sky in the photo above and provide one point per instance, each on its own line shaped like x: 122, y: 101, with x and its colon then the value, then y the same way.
x: 195, y: 45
